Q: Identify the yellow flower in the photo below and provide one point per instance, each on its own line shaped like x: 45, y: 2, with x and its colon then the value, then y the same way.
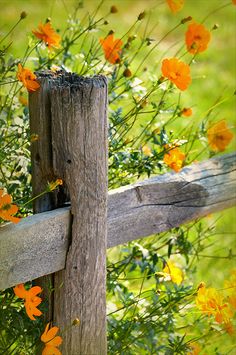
x: 195, y: 349
x: 174, y: 159
x: 146, y: 150
x: 230, y: 289
x: 176, y: 274
x: 211, y: 302
x: 53, y: 184
x: 219, y: 136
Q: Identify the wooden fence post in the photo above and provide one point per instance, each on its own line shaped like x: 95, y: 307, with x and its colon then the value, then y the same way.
x: 42, y: 168
x: 69, y: 116
x: 79, y: 140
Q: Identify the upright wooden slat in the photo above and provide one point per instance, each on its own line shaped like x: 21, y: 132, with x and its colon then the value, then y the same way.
x: 79, y: 134
x: 42, y: 169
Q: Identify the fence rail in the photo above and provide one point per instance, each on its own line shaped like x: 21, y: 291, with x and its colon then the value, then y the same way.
x: 38, y: 245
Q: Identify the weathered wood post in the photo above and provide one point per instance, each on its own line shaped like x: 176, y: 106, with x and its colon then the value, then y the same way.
x: 79, y: 153
x: 42, y: 167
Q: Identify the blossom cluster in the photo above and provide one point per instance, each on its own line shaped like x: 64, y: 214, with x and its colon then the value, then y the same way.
x: 221, y: 304
x: 32, y: 301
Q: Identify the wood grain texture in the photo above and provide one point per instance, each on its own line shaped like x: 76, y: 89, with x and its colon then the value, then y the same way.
x: 79, y: 134
x: 42, y: 172
x: 34, y: 247
x: 164, y: 202
x: 154, y: 205
x: 42, y: 167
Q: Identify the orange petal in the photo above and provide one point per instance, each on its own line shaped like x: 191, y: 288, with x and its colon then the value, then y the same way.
x: 20, y: 291
x: 35, y: 290
x: 51, y: 350
x: 49, y: 334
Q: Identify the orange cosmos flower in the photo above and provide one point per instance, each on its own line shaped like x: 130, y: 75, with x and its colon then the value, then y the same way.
x: 31, y: 299
x: 23, y: 99
x: 7, y: 210
x: 47, y: 34
x: 195, y: 348
x: 197, y: 38
x: 175, y: 273
x: 177, y: 72
x: 175, y: 5
x: 111, y: 48
x: 219, y: 136
x: 51, y: 341
x: 211, y: 302
x: 187, y: 112
x: 174, y: 159
x: 28, y: 78
x: 234, y: 2
x: 229, y: 328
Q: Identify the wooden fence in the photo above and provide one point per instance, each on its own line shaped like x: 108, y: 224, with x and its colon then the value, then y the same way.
x: 69, y: 244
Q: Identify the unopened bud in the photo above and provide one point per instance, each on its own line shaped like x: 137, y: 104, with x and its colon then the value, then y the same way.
x: 132, y: 38
x: 215, y: 27
x: 76, y: 321
x: 48, y: 19
x: 186, y: 19
x: 141, y: 16
x: 110, y: 32
x: 201, y: 285
x: 105, y: 22
x: 54, y: 184
x: 161, y: 79
x: 127, y: 73
x: 23, y: 15
x: 34, y: 137
x: 149, y: 41
x: 113, y: 9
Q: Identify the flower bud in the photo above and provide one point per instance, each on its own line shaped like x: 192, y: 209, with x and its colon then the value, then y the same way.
x: 215, y: 27
x: 132, y: 38
x: 113, y: 9
x: 127, y: 73
x: 34, y: 137
x: 141, y: 15
x: 23, y: 15
x: 186, y: 19
x: 201, y: 285
x: 76, y: 321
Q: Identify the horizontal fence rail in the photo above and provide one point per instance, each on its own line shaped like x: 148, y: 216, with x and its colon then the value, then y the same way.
x: 38, y: 245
